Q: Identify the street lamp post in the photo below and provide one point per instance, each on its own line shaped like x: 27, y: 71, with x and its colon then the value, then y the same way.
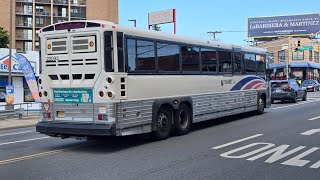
x: 134, y: 22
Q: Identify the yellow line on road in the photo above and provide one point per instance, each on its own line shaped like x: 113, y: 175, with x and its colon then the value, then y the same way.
x: 35, y: 155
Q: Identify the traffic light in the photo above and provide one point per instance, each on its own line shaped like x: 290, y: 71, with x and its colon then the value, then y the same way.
x: 298, y: 44
x: 318, y: 48
x: 296, y: 49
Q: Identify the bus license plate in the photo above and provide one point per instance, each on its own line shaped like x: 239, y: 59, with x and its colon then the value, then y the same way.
x: 61, y: 114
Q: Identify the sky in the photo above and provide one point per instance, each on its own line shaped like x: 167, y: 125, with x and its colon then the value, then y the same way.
x: 196, y: 17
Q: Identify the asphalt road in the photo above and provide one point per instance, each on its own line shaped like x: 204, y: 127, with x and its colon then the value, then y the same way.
x: 283, y: 143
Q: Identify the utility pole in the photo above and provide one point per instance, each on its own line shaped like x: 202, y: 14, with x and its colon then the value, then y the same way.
x: 10, y: 45
x: 213, y: 34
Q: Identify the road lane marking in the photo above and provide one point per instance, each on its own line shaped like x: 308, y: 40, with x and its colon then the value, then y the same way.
x: 275, y: 153
x: 311, y: 119
x: 26, y: 140
x: 296, y: 104
x: 229, y: 153
x: 237, y: 141
x: 2, y: 162
x: 297, y: 161
x: 9, y: 134
x: 310, y: 132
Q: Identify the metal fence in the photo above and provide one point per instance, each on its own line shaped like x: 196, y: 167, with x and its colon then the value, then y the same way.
x: 28, y: 110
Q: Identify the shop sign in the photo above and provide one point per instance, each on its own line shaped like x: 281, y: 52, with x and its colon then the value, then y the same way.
x: 15, y: 66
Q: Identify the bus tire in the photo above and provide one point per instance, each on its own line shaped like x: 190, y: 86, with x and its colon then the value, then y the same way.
x: 163, y: 124
x: 261, y: 105
x: 183, y: 120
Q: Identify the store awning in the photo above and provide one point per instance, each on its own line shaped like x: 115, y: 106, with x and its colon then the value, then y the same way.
x: 279, y: 65
x: 299, y: 64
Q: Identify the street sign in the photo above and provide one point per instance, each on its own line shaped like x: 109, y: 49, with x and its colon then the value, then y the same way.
x: 303, y: 48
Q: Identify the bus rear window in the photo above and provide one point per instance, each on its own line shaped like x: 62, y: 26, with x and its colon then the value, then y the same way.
x: 70, y: 25
x: 84, y: 44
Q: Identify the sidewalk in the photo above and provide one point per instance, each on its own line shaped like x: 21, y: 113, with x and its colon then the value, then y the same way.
x: 14, y: 123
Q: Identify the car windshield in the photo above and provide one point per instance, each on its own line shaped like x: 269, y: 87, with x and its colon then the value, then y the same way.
x: 279, y: 84
x: 308, y: 82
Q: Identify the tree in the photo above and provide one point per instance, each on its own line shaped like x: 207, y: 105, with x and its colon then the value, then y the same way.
x: 156, y: 27
x: 4, y: 38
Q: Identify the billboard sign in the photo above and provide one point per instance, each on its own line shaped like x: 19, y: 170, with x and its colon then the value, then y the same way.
x: 292, y: 25
x: 161, y: 17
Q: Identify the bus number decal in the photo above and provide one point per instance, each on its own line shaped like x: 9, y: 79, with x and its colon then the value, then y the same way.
x: 53, y: 58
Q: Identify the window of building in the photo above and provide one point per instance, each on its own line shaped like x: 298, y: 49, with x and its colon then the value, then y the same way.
x: 237, y: 62
x: 39, y: 9
x: 27, y: 95
x: 209, y: 60
x: 297, y: 55
x: 271, y: 57
x: 282, y: 55
x: 168, y: 57
x: 250, y: 63
x: 225, y: 61
x: 27, y: 46
x: 190, y: 58
x: 141, y: 55
x: 316, y: 57
x: 310, y: 55
x: 2, y: 94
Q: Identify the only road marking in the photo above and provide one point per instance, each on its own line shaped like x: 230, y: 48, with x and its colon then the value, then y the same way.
x: 237, y: 141
x: 311, y: 119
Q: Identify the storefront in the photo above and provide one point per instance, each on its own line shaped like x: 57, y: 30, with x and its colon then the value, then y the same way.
x: 298, y: 70
x: 22, y: 92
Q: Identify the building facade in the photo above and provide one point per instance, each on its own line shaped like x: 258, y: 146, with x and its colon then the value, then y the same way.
x: 300, y: 55
x: 31, y: 15
x: 22, y: 93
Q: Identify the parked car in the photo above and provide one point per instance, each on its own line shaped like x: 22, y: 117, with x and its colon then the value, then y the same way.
x: 311, y: 85
x: 287, y: 90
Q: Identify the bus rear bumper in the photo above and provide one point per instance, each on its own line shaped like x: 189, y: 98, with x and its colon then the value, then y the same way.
x: 81, y: 130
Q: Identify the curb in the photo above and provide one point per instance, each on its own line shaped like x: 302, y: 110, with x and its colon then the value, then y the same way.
x: 17, y: 127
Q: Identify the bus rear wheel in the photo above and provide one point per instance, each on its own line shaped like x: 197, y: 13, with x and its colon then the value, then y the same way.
x: 183, y: 120
x: 163, y: 124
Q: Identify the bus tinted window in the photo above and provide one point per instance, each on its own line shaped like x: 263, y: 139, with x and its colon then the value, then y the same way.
x: 237, y: 62
x: 108, y: 51
x: 168, y: 57
x: 261, y: 65
x: 141, y: 55
x: 225, y: 61
x: 209, y: 60
x: 190, y: 58
x: 120, y: 51
x: 250, y: 62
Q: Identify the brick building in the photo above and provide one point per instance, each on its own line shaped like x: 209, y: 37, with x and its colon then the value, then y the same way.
x: 31, y: 15
x: 303, y: 64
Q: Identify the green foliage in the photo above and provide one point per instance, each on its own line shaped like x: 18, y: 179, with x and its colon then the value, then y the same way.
x: 4, y: 38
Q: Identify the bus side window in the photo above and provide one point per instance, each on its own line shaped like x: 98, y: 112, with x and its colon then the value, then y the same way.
x: 209, y: 60
x: 108, y: 48
x: 237, y: 62
x: 225, y: 61
x: 250, y: 63
x: 120, y: 51
x: 190, y: 58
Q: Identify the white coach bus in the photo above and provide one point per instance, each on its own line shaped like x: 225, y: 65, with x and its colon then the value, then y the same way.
x: 103, y: 79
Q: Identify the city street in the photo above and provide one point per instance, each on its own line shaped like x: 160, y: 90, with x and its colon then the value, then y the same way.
x: 286, y: 137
